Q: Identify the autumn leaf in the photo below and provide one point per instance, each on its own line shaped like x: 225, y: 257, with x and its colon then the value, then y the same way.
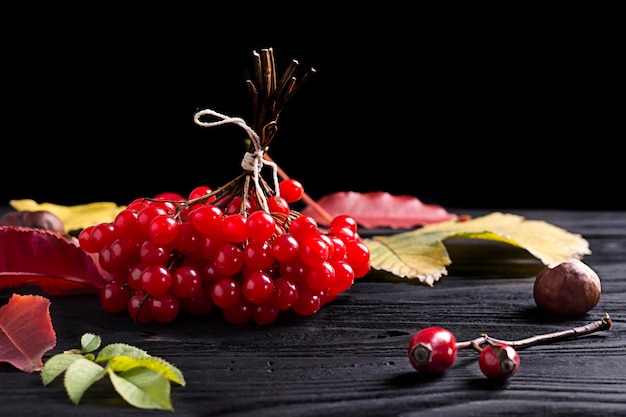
x: 422, y: 254
x: 48, y: 260
x: 73, y: 217
x: 380, y: 209
x: 26, y: 331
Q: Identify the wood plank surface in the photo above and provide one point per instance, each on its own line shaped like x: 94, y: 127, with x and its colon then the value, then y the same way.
x: 350, y: 358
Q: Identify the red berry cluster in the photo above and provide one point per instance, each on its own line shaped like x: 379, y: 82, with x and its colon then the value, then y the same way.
x: 168, y: 254
x: 433, y: 350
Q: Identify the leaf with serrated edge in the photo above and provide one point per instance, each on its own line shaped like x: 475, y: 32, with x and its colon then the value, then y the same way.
x: 421, y: 253
x: 124, y: 363
x: 56, y: 365
x: 26, y: 331
x: 48, y: 260
x: 402, y: 257
x: 143, y: 388
x: 79, y: 376
x: 89, y: 342
x: 120, y: 349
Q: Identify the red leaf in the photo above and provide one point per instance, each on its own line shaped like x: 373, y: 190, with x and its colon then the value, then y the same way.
x: 46, y: 259
x: 26, y: 331
x: 380, y: 209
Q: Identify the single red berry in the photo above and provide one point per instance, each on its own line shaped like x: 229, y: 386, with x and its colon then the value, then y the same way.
x: 338, y: 249
x: 229, y: 259
x: 308, y: 302
x: 134, y: 277
x: 258, y: 254
x: 225, y: 292
x: 313, y: 251
x: 257, y: 287
x: 344, y: 276
x: 206, y: 219
x: 320, y: 277
x: 201, y: 191
x: 499, y: 361
x: 285, y: 248
x: 101, y: 235
x: 357, y: 253
x: 156, y: 279
x: 139, y: 307
x: 187, y: 238
x: 302, y: 227
x: 278, y: 206
x: 291, y: 190
x: 186, y: 281
x: 114, y: 297
x: 260, y: 225
x: 84, y: 239
x: 163, y: 229
x: 234, y: 228
x: 152, y: 253
x: 285, y: 293
x: 341, y: 221
x: 432, y: 350
x: 125, y: 223
x: 164, y: 308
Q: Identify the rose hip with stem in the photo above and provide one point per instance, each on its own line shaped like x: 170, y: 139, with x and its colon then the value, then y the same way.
x: 497, y: 361
x: 432, y: 350
x: 426, y: 359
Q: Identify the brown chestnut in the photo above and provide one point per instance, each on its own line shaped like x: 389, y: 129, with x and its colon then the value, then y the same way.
x: 39, y: 219
x: 568, y: 289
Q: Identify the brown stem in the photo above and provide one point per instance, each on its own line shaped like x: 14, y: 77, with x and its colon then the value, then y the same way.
x: 604, y: 324
x: 474, y: 345
x: 269, y: 95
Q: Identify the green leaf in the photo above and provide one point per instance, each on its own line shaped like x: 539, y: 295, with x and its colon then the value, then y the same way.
x: 143, y: 388
x: 56, y: 365
x: 125, y: 363
x: 421, y: 253
x: 89, y: 342
x: 79, y: 376
x: 120, y: 349
x: 141, y: 379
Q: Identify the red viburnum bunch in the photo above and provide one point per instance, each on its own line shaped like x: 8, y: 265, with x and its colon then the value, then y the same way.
x: 240, y: 248
x: 250, y: 257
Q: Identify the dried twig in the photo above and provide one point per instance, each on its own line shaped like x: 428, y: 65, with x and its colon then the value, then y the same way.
x: 603, y: 324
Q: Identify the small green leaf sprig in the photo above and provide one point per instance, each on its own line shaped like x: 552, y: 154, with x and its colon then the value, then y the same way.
x: 140, y: 379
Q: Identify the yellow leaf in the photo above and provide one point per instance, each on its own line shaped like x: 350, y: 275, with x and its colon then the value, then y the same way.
x: 409, y: 256
x: 124, y: 363
x: 73, y: 217
x: 421, y: 253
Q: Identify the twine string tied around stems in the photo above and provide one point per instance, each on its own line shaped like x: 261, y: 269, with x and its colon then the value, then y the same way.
x: 252, y: 161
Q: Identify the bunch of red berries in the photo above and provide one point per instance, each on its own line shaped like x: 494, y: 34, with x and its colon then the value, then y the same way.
x: 220, y: 249
x: 240, y: 248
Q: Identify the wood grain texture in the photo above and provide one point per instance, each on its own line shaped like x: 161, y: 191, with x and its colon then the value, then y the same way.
x: 350, y: 358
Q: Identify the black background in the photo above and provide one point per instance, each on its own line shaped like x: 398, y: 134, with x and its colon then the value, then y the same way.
x: 483, y: 110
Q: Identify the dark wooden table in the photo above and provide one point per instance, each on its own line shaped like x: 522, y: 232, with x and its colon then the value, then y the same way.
x: 350, y: 358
